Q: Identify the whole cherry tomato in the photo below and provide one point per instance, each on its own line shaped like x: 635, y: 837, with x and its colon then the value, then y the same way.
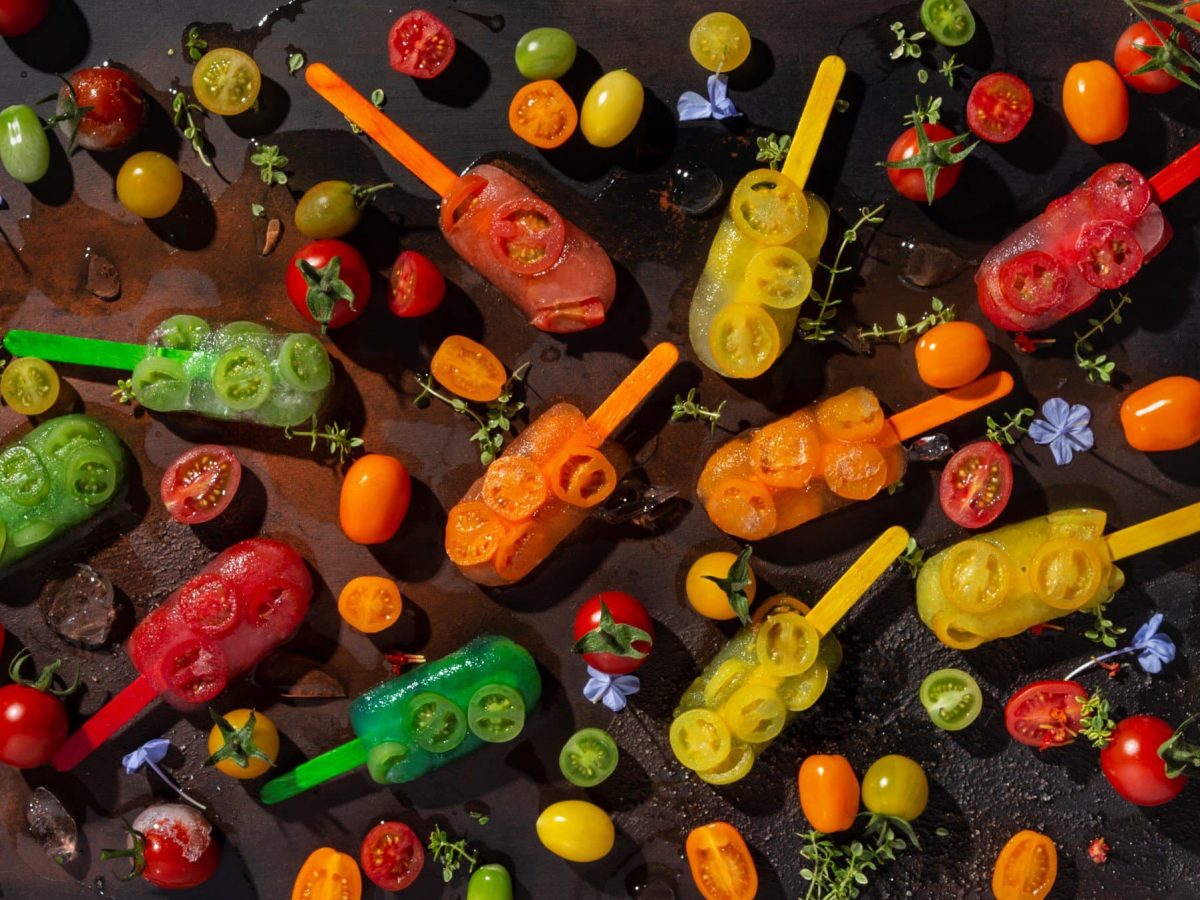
x: 1131, y: 763
x: 33, y: 722
x: 328, y: 875
x: 706, y: 596
x: 374, y: 500
x: 1163, y: 415
x: 418, y: 288
x: 1026, y: 867
x: 925, y: 177
x: 329, y: 283
x: 149, y: 184
x: 20, y: 16
x: 170, y: 846
x: 895, y: 786
x: 330, y: 209
x: 101, y: 108
x: 1095, y: 102
x: 952, y: 354
x: 1134, y: 49
x: 242, y: 743
x: 828, y: 792
x: 614, y: 633
x: 721, y: 864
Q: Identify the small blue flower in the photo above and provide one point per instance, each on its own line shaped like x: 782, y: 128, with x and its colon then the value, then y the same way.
x: 1154, y: 649
x: 611, y: 690
x: 151, y: 752
x: 718, y: 105
x: 1064, y: 428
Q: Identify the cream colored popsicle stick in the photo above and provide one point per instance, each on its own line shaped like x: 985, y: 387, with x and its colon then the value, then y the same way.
x: 633, y: 390
x: 855, y: 581
x: 813, y: 119
x: 1154, y: 532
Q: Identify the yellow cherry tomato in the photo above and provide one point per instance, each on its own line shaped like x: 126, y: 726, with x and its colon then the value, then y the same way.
x: 576, y: 830
x: 370, y: 603
x: 700, y: 739
x: 1026, y: 868
x: 226, y: 81
x: 611, y: 108
x: 719, y: 41
x: 768, y: 207
x: 149, y: 184
x: 704, y: 595
x: 896, y: 786
x: 242, y: 750
x: 29, y: 385
x: 1095, y: 102
x: 744, y: 340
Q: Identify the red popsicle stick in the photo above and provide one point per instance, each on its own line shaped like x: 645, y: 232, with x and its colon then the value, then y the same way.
x: 106, y: 722
x: 1176, y: 175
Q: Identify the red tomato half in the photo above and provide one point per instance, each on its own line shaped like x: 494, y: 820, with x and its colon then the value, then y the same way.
x: 116, y: 108
x: 527, y: 235
x: 1045, y: 713
x: 199, y: 485
x: 392, y: 855
x: 910, y: 183
x: 420, y: 44
x: 1130, y: 54
x: 626, y: 612
x: 317, y: 296
x: 976, y: 484
x: 1132, y: 765
x: 999, y: 107
x: 19, y: 16
x: 418, y: 288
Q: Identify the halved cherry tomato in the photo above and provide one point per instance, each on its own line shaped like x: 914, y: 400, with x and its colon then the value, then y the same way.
x: 742, y: 508
x: 1033, y: 282
x: 1163, y: 415
x: 778, y: 277
x: 828, y: 793
x: 420, y: 44
x: 976, y: 576
x: 392, y: 855
x: 1109, y: 254
x: 768, y: 207
x: 976, y: 484
x: 542, y: 114
x: 436, y: 722
x: 744, y: 340
x: 952, y: 354
x: 755, y: 713
x: 374, y: 499
x: 418, y: 288
x: 786, y: 453
x: 1026, y: 867
x: 1131, y: 762
x: 459, y: 201
x: 1095, y: 102
x: 581, y: 476
x: 1134, y: 49
x: 370, y: 603
x: 1119, y: 192
x: 786, y: 644
x: 721, y: 863
x: 588, y: 757
x: 468, y: 369
x: 527, y: 235
x: 328, y: 875
x: 853, y: 415
x: 473, y: 533
x: 719, y: 41
x: 700, y: 739
x: 999, y: 107
x: 226, y: 81
x: 1045, y: 713
x: 514, y: 487
x: 952, y: 698
x: 1067, y: 573
x: 853, y: 471
x: 199, y: 485
x: 29, y: 385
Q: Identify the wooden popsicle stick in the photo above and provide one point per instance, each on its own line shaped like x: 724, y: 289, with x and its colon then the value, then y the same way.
x: 857, y: 579
x: 1154, y: 532
x: 633, y: 390
x: 1176, y: 175
x: 813, y: 119
x: 390, y: 136
x: 937, y: 411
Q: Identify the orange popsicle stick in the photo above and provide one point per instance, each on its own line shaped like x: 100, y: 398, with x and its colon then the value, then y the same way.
x: 632, y: 391
x: 390, y: 136
x: 924, y: 417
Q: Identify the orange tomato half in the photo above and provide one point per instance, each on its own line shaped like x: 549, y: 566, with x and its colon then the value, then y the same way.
x: 742, y: 508
x: 581, y: 476
x: 854, y: 471
x: 952, y: 354
x: 473, y: 533
x: 828, y: 792
x: 370, y: 603
x: 328, y: 875
x: 721, y: 863
x: 374, y: 501
x: 1095, y: 102
x: 1164, y: 415
x: 1026, y: 867
x: 468, y: 369
x: 514, y: 487
x: 542, y: 114
x: 853, y: 415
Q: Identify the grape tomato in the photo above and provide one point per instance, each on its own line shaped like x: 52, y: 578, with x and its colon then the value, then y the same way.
x: 576, y: 830
x: 468, y: 369
x: 829, y: 792
x: 200, y: 484
x: 1095, y: 102
x: 611, y: 108
x: 952, y: 354
x: 420, y: 44
x: 374, y: 499
x: 999, y: 107
x: 24, y: 147
x: 720, y: 862
x: 1163, y: 415
x: 490, y: 882
x: 417, y: 285
x: 895, y: 785
x: 976, y: 484
x: 1026, y: 867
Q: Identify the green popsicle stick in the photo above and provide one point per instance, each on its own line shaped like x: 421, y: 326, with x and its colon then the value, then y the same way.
x: 335, y: 762
x: 65, y: 348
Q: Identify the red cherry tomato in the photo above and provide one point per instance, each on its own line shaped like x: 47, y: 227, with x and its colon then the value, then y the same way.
x: 1045, y: 713
x: 392, y: 855
x: 910, y: 183
x: 316, y: 292
x: 1193, y: 12
x: 199, y: 485
x: 33, y: 724
x: 1109, y: 254
x: 420, y: 44
x: 172, y: 847
x: 1130, y: 55
x: 1131, y: 763
x: 1033, y: 282
x: 115, y: 107
x: 630, y: 649
x: 999, y: 107
x: 976, y: 484
x: 527, y: 235
x: 1119, y: 192
x: 418, y: 288
x: 20, y: 16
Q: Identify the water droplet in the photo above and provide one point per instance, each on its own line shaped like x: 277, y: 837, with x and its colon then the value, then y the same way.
x: 930, y: 447
x: 697, y: 189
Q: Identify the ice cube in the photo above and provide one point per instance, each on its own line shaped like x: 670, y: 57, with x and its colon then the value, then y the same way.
x: 52, y: 826
x: 930, y: 447
x: 81, y: 607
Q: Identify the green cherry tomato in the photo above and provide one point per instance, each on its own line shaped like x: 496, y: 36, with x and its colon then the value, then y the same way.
x: 545, y: 53
x: 496, y: 713
x: 952, y: 698
x: 490, y: 882
x: 950, y: 22
x: 24, y: 147
x: 181, y: 332
x: 576, y: 830
x: 588, y: 757
x: 611, y: 108
x: 436, y: 723
x: 242, y: 378
x: 304, y: 364
x: 330, y: 209
x: 91, y: 475
x: 383, y: 758
x: 22, y: 476
x: 63, y: 434
x: 895, y: 786
x: 29, y: 385
x: 160, y: 384
x: 149, y: 184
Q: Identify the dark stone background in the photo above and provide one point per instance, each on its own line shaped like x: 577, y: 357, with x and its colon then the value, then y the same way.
x: 984, y: 786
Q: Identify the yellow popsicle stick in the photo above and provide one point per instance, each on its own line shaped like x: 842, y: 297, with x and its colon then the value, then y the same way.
x: 855, y: 581
x: 633, y: 390
x: 813, y: 119
x: 1154, y: 532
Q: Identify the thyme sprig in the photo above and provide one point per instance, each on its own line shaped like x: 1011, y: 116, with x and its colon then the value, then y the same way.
x: 339, y: 438
x: 913, y: 557
x: 451, y: 854
x: 123, y: 392
x: 817, y: 328
x: 689, y: 408
x: 270, y: 164
x: 1099, y: 367
x: 949, y: 67
x: 939, y: 313
x: 1104, y: 632
x: 841, y: 871
x: 1096, y: 720
x: 773, y: 149
x: 295, y: 62
x: 194, y: 44
x: 181, y: 114
x: 1012, y: 430
x: 496, y: 419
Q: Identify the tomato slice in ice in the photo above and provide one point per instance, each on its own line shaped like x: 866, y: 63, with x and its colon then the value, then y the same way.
x: 420, y: 44
x: 209, y: 605
x: 199, y: 485
x: 1033, y: 282
x: 527, y: 235
x: 976, y: 484
x: 461, y: 198
x: 1120, y: 192
x: 276, y: 605
x: 1109, y: 254
x: 581, y: 476
x: 1045, y: 713
x: 999, y: 107
x: 195, y: 670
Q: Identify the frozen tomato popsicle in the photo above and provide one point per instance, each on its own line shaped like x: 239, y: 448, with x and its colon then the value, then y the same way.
x: 214, y: 629
x: 1096, y: 238
x: 553, y: 272
x: 823, y: 457
x: 544, y: 484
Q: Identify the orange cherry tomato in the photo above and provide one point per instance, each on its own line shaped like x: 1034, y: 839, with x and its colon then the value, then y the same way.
x: 542, y: 114
x: 853, y: 415
x: 467, y: 368
x: 952, y: 354
x: 458, y: 202
x: 786, y: 453
x: 854, y: 471
x: 1095, y: 102
x: 473, y: 533
x: 721, y: 863
x: 510, y: 560
x: 581, y: 476
x: 370, y: 603
x: 514, y: 487
x: 374, y: 501
x: 1026, y: 867
x: 1164, y: 415
x: 828, y: 792
x: 742, y: 508
x: 328, y: 875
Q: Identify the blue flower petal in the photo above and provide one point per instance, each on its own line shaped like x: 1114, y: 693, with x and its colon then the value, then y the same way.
x: 1081, y: 439
x: 152, y: 751
x: 1056, y: 410
x: 1147, y: 631
x: 718, y: 98
x: 1042, y: 432
x: 1078, y: 416
x: 1062, y: 451
x: 692, y: 106
x: 612, y: 692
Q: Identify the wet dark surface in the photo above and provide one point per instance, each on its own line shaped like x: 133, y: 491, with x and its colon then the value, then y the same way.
x: 205, y: 259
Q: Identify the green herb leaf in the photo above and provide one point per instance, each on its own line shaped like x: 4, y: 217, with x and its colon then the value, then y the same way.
x: 295, y: 62
x: 613, y: 637
x: 735, y: 583
x: 817, y: 328
x: 688, y: 408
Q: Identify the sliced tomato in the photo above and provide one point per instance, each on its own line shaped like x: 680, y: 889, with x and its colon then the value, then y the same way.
x: 420, y: 44
x: 514, y: 487
x: 392, y: 855
x: 459, y: 201
x: 543, y: 114
x: 976, y: 484
x: 527, y: 235
x: 1109, y: 254
x: 1119, y: 191
x: 1045, y: 713
x: 196, y: 670
x: 199, y: 485
x: 581, y: 476
x: 1033, y: 282
x: 999, y: 107
x: 210, y: 605
x: 721, y: 864
x: 418, y: 288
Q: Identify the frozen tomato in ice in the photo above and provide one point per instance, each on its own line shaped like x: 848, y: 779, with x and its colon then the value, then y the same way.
x: 1033, y: 282
x: 171, y: 846
x: 1109, y: 254
x: 1119, y: 191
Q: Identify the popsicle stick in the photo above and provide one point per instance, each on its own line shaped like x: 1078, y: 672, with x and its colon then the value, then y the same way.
x: 390, y: 136
x: 1154, y: 532
x: 103, y: 724
x: 1176, y: 175
x: 857, y: 579
x: 937, y: 411
x: 813, y: 119
x: 331, y: 764
x: 65, y: 348
x: 633, y: 390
